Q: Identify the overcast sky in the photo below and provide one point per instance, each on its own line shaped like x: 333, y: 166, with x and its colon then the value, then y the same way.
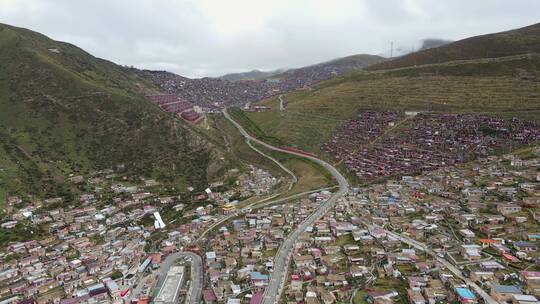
x: 214, y: 37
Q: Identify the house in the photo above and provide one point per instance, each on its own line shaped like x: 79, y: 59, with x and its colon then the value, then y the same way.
x: 415, y: 297
x: 503, y: 293
x: 525, y: 246
x: 304, y: 261
x: 327, y: 297
x: 256, y: 298
x: 470, y: 252
x: 524, y: 299
x: 258, y: 279
x: 465, y: 295
x: 436, y: 292
x: 467, y: 233
x: 507, y: 209
x: 532, y: 280
x: 209, y: 296
x: 376, y: 297
x: 487, y: 242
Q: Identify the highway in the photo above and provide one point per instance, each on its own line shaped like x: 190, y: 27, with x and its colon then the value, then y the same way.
x: 282, y: 259
x: 195, y: 289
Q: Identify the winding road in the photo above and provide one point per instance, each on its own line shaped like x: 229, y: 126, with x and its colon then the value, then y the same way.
x: 282, y: 259
x: 253, y: 206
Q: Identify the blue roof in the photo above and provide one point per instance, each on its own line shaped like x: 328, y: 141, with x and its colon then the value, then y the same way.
x: 524, y: 244
x: 465, y: 293
x: 255, y: 275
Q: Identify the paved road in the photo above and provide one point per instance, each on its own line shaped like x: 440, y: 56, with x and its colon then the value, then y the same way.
x: 195, y: 289
x: 457, y: 272
x: 253, y: 206
x: 294, y: 179
x: 282, y: 259
x: 281, y: 106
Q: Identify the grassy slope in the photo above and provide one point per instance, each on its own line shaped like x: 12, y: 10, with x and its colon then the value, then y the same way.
x: 224, y: 134
x: 71, y: 112
x: 518, y: 41
x: 492, y: 86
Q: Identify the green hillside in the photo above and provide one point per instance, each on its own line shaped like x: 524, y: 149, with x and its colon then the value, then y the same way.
x: 519, y: 41
x: 64, y: 111
x: 506, y: 87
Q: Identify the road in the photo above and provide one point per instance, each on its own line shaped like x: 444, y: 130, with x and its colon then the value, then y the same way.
x: 282, y: 259
x: 253, y: 206
x: 281, y: 106
x: 457, y: 272
x: 195, y: 289
x: 294, y: 178
x: 135, y: 292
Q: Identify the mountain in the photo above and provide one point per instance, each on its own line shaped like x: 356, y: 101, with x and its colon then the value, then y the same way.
x: 251, y: 75
x: 513, y: 42
x: 433, y: 43
x: 326, y: 70
x: 64, y: 111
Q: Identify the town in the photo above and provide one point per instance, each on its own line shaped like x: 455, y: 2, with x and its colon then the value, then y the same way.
x: 97, y: 248
x: 427, y: 238
x: 270, y: 152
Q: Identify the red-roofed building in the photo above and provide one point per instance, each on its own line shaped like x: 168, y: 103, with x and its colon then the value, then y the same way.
x: 190, y: 116
x: 510, y: 258
x: 487, y: 242
x: 209, y: 296
x: 257, y: 298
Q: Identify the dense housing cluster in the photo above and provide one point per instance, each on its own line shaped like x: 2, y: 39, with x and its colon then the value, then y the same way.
x: 172, y: 104
x: 213, y: 93
x: 361, y: 250
x: 210, y: 93
x: 98, y: 246
x: 424, y: 142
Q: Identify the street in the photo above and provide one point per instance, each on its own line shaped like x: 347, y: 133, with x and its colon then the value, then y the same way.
x: 282, y: 259
x: 420, y: 246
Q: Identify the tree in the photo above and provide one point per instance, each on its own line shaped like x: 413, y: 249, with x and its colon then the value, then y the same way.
x: 116, y: 274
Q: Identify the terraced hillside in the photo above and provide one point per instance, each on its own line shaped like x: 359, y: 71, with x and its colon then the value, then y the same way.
x: 503, y: 87
x: 519, y: 41
x: 64, y: 111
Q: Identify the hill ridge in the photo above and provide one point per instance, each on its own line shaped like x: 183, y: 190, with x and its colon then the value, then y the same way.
x: 507, y: 43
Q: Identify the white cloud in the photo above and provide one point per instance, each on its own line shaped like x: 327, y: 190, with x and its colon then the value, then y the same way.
x: 213, y: 37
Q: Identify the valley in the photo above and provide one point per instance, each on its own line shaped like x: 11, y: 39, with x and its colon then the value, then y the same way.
x: 362, y: 179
